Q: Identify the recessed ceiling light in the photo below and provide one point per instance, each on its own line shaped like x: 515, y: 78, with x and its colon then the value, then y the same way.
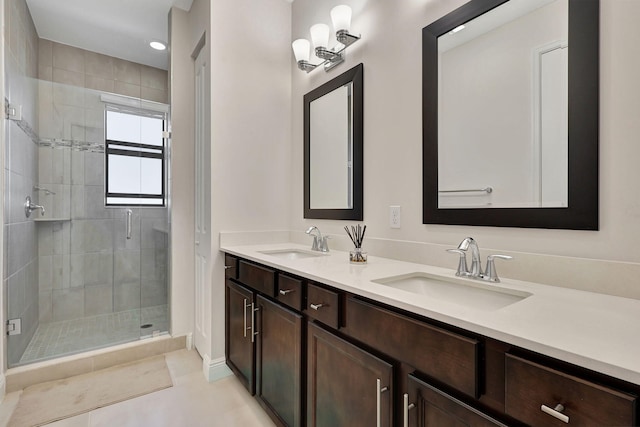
x: 158, y: 45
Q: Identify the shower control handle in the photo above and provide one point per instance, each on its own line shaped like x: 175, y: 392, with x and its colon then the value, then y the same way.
x: 29, y: 207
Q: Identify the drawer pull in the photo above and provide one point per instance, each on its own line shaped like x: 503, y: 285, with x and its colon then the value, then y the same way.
x: 406, y: 408
x: 286, y: 291
x: 226, y: 267
x: 555, y: 412
x: 379, y: 391
x: 316, y: 306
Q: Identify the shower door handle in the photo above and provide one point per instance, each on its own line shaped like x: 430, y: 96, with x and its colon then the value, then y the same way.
x: 129, y: 213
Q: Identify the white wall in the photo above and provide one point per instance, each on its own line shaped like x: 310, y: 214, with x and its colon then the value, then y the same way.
x: 250, y: 128
x: 391, y: 52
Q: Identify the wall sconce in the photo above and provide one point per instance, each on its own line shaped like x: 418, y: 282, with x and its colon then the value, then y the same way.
x: 341, y: 19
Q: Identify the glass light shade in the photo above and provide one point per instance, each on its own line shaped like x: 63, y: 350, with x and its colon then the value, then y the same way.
x: 301, y: 49
x: 320, y: 35
x: 341, y: 18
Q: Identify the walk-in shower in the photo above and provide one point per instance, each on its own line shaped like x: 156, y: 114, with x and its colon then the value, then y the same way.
x: 86, y: 224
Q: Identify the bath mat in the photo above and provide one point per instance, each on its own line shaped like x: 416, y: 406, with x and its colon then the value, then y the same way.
x: 55, y: 400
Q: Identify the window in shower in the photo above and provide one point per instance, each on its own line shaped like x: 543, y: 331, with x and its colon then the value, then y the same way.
x: 135, y: 158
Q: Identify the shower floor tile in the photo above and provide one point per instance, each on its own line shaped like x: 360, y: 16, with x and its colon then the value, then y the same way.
x: 74, y: 336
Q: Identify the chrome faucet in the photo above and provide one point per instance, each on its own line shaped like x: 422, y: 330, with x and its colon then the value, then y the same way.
x: 489, y: 275
x: 29, y: 207
x: 476, y: 266
x: 319, y: 241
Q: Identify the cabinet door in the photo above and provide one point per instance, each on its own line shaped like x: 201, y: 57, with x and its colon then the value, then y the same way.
x: 347, y: 386
x: 279, y: 361
x: 430, y: 407
x: 240, y: 347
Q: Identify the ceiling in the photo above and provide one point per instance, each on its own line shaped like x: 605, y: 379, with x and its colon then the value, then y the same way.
x: 119, y: 28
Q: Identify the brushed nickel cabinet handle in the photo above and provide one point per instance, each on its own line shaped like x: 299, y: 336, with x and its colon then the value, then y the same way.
x: 286, y: 291
x: 226, y: 267
x: 379, y: 391
x: 406, y: 407
x: 245, y: 317
x: 254, y: 309
x: 555, y: 412
x: 316, y: 306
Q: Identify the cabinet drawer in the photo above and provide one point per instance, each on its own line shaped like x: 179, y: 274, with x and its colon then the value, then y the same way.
x: 530, y: 385
x: 290, y: 291
x: 441, y: 354
x: 230, y: 267
x: 260, y: 278
x: 323, y: 305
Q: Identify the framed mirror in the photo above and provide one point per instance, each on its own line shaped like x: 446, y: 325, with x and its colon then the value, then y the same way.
x: 333, y: 140
x: 510, y: 115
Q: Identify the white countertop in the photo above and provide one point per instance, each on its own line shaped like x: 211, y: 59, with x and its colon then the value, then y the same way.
x: 595, y: 331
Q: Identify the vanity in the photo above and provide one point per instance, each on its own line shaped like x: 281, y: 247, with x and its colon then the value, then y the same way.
x: 509, y: 140
x: 322, y: 342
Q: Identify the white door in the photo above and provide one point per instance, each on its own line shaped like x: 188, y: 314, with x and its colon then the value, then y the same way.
x: 202, y: 207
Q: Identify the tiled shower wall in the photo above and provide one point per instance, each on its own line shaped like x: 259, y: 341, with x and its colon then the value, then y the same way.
x: 21, y: 168
x: 87, y: 266
x: 75, y: 261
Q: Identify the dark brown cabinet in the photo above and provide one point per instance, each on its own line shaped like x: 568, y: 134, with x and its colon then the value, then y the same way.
x: 279, y: 361
x: 541, y: 396
x: 290, y: 291
x: 323, y: 305
x: 318, y: 356
x: 426, y: 406
x: 347, y: 386
x: 448, y: 357
x: 264, y: 341
x: 239, y: 337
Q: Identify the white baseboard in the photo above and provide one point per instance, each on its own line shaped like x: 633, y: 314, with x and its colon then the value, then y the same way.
x: 215, y: 370
x: 189, y: 341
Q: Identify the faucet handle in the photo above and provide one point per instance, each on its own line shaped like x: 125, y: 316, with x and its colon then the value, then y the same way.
x: 490, y: 273
x: 462, y: 263
x: 324, y: 244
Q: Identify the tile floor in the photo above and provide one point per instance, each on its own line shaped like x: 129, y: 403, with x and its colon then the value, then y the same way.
x: 191, y: 402
x: 66, y: 337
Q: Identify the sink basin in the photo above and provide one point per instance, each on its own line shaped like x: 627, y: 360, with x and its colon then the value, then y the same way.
x: 461, y: 291
x: 292, y: 254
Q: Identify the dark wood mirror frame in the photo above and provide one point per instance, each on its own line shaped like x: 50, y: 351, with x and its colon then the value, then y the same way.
x: 354, y: 75
x: 582, y: 212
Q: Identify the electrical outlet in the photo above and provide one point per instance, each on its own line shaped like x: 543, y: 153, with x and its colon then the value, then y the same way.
x: 395, y: 216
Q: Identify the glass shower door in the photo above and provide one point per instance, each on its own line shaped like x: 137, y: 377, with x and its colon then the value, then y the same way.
x: 135, y: 184
x: 84, y: 275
